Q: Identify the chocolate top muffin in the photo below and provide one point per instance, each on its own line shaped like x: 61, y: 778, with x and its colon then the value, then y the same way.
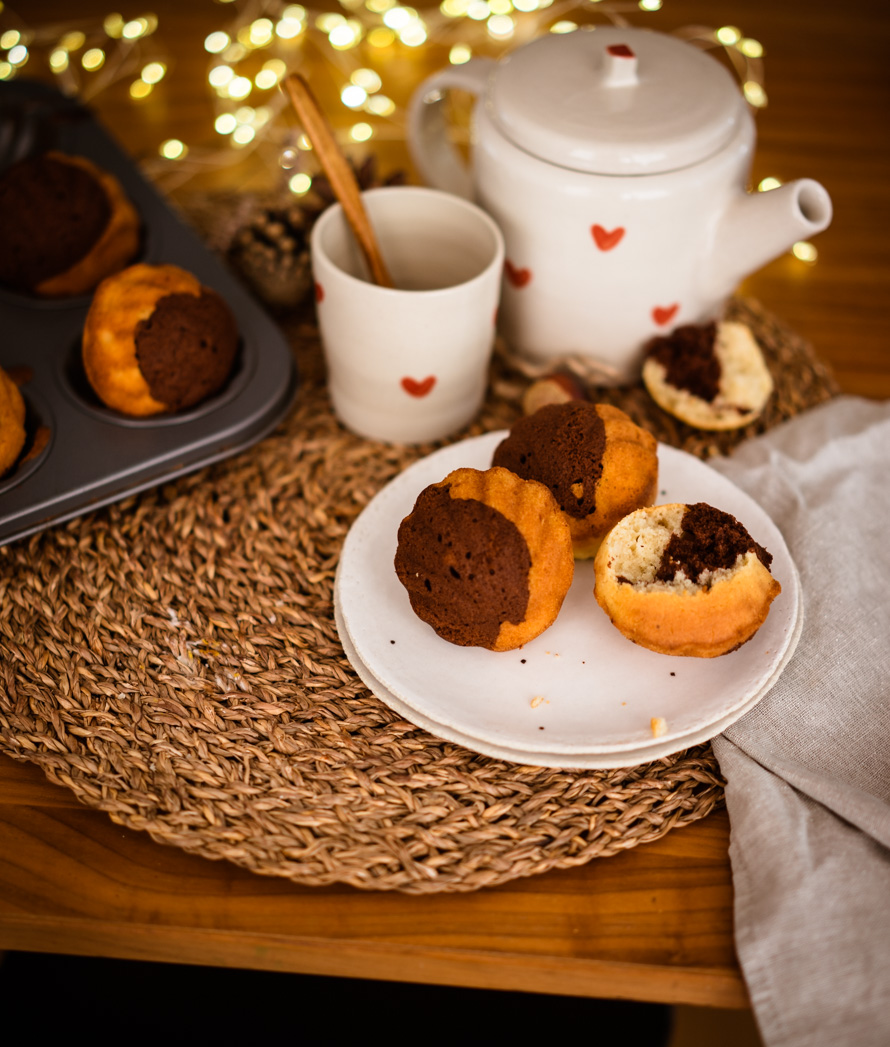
x: 186, y: 348
x: 52, y: 213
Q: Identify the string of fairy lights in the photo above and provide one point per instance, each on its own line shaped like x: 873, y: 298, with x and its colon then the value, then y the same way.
x: 261, y: 40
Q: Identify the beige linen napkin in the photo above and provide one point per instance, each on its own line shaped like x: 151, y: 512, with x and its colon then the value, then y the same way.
x: 808, y: 769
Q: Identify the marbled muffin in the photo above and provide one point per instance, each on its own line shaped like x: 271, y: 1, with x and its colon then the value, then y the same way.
x: 684, y: 580
x: 599, y: 465
x: 67, y: 224
x: 711, y: 376
x: 12, y: 422
x: 156, y: 341
x: 486, y: 558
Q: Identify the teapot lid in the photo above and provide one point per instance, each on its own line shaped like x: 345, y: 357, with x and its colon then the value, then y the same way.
x: 615, y: 101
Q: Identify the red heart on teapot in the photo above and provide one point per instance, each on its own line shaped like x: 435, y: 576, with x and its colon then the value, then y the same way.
x: 606, y: 239
x: 663, y: 314
x: 319, y: 293
x: 517, y: 277
x: 414, y: 388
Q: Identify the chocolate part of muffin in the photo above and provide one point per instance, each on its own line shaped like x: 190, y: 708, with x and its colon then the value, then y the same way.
x: 186, y: 348
x: 561, y: 446
x: 709, y: 540
x: 689, y: 359
x: 465, y: 566
x: 52, y: 214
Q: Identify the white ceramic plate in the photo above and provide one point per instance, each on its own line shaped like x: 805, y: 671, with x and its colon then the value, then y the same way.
x: 580, y: 695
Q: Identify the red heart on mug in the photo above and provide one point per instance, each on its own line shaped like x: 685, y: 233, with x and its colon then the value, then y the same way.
x: 663, y: 314
x: 414, y: 388
x: 319, y: 293
x: 517, y: 277
x: 606, y: 239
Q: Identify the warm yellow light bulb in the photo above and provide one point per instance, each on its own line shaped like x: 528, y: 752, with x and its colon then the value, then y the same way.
x: 154, y: 72
x: 288, y: 28
x: 770, y: 182
x: 9, y: 39
x: 414, y: 34
x: 73, y: 41
x: 526, y: 5
x: 353, y: 96
x: 650, y: 5
x: 300, y: 183
x: 17, y: 55
x: 751, y: 48
x: 58, y: 60
x: 459, y: 54
x: 500, y: 26
x: 500, y: 7
x: 216, y: 42
x: 361, y: 132
x: 563, y: 27
x: 805, y: 251
x: 295, y: 11
x: 754, y: 93
x: 367, y: 79
x: 220, y: 75
x: 378, y: 7
x: 380, y: 37
x: 113, y: 25
x: 173, y: 149
x: 342, y: 37
x: 265, y: 79
x: 728, y: 35
x: 380, y: 105
x: 225, y: 124
x: 454, y: 8
x: 261, y: 32
x: 243, y: 134
x: 478, y: 10
x: 93, y: 59
x: 134, y: 29
x: 239, y: 87
x: 329, y: 21
x: 140, y: 89
x: 6, y: 71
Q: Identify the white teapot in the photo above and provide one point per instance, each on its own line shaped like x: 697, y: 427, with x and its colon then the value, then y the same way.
x: 615, y: 162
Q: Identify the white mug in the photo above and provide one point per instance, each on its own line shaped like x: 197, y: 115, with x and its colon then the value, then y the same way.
x: 409, y: 364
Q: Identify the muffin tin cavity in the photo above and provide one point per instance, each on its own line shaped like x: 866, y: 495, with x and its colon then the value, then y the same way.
x: 150, y: 251
x: 80, y: 454
x: 39, y: 432
x: 75, y: 383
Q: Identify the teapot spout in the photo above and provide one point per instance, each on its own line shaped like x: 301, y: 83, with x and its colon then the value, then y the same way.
x: 758, y: 227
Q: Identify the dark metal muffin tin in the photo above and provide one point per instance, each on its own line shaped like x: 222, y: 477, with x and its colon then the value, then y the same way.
x: 92, y: 455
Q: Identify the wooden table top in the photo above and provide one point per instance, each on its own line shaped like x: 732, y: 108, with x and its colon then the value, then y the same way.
x: 654, y: 923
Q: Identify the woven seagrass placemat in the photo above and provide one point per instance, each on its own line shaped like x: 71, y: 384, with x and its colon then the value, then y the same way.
x: 174, y: 662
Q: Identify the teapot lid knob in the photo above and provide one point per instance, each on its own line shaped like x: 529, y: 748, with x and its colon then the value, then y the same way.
x: 621, y: 66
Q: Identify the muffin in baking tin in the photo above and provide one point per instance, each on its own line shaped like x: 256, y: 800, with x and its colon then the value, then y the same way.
x: 67, y: 224
x: 156, y: 341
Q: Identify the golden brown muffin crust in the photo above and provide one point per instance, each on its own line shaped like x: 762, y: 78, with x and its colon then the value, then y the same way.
x: 509, y: 526
x: 12, y: 422
x: 700, y: 593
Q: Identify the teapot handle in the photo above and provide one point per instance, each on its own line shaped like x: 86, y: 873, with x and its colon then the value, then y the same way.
x: 437, y: 161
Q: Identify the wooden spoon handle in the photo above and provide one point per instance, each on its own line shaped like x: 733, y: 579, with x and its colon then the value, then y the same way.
x: 339, y: 173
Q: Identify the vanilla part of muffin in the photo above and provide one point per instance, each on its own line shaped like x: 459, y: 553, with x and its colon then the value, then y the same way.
x: 684, y: 580
x: 679, y: 547
x: 711, y: 376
